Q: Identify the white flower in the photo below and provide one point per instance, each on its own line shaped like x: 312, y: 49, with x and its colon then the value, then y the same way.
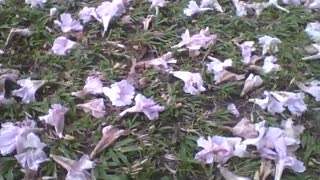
x: 92, y: 86
x: 62, y: 45
x: 95, y: 107
x: 120, y: 94
x: 241, y: 9
x: 147, y: 106
x: 55, y: 118
x: 294, y: 2
x: 68, y: 24
x: 253, y: 81
x: 197, y: 41
x: 217, y: 66
x: 246, y: 51
x: 258, y: 7
x: 269, y: 65
x: 28, y: 89
x: 77, y: 170
x: 36, y: 3
x: 30, y: 152
x: 193, y: 83
x: 313, y: 47
x: 53, y: 11
x: 156, y: 4
x: 86, y: 13
x: 312, y: 88
x: 193, y: 8
x: 210, y: 3
x: 313, y: 4
x: 269, y: 44
x: 270, y: 103
x: 313, y: 31
x: 232, y: 108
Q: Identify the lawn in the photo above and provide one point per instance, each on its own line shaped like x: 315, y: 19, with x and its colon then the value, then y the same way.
x: 164, y: 148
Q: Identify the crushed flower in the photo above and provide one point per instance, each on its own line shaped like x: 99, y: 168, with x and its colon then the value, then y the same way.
x: 95, y: 107
x: 193, y: 83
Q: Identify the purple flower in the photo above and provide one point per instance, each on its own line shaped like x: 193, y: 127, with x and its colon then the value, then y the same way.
x: 246, y: 51
x: 92, y: 86
x: 68, y: 24
x: 62, y: 45
x: 220, y: 149
x: 269, y: 44
x: 120, y: 94
x: 269, y: 103
x: 146, y: 106
x: 30, y: 152
x: 36, y: 3
x: 314, y: 4
x: 162, y: 62
x: 95, y: 107
x: 193, y: 8
x: 193, y: 83
x: 197, y: 41
x: 312, y: 88
x: 28, y: 89
x: 76, y: 169
x: 241, y: 8
x: 86, y: 13
x: 55, y: 118
x: 245, y: 129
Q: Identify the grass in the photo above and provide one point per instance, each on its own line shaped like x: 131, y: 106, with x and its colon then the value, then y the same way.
x: 163, y: 149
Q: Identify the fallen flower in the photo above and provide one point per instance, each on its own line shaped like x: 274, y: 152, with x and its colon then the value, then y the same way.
x: 93, y: 86
x: 294, y: 2
x: 258, y: 7
x: 36, y: 3
x: 210, y: 3
x: 193, y: 8
x: 228, y: 175
x: 10, y: 132
x: 225, y: 75
x: 86, y: 13
x: 197, y: 41
x: 269, y: 44
x: 146, y: 106
x: 253, y: 81
x: 193, y: 83
x: 246, y: 51
x: 95, y: 107
x: 160, y: 63
x: 269, y: 103
x: 217, y: 66
x: 269, y: 66
x: 109, y: 135
x: 28, y: 89
x: 220, y: 149
x: 241, y: 8
x: 313, y: 4
x: 76, y: 169
x: 30, y: 152
x: 156, y: 4
x: 312, y: 88
x: 245, y: 129
x: 53, y: 11
x: 313, y: 49
x: 68, y: 24
x: 120, y: 94
x: 146, y: 22
x: 62, y: 45
x: 233, y: 110
x: 313, y: 31
x: 55, y: 118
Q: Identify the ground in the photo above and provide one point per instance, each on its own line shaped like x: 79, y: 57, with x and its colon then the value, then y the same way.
x: 165, y: 148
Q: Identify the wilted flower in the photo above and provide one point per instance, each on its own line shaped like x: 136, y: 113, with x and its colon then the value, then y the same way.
x: 10, y: 132
x: 120, y: 94
x: 95, y: 107
x: 312, y: 88
x: 313, y: 31
x: 109, y: 135
x: 269, y: 103
x: 53, y: 11
x: 146, y: 22
x: 28, y: 89
x: 269, y: 44
x: 258, y: 7
x: 36, y: 3
x: 86, y: 13
x: 62, y: 45
x: 161, y: 63
x: 197, y: 41
x: 228, y: 175
x: 232, y: 108
x: 220, y: 149
x: 30, y: 152
x: 156, y: 4
x: 92, y: 86
x: 193, y: 83
x: 269, y: 66
x: 245, y: 129
x: 313, y: 49
x: 55, y: 118
x: 76, y: 169
x: 217, y: 66
x: 246, y: 51
x: 146, y: 106
x: 253, y: 81
x: 240, y: 8
x: 211, y: 3
x: 68, y: 24
x: 193, y: 8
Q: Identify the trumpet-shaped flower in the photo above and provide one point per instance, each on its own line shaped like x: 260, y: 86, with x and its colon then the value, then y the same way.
x: 95, y: 107
x: 28, y: 89
x: 121, y: 93
x: 92, y: 86
x: 68, y: 24
x: 62, y: 45
x: 193, y: 83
